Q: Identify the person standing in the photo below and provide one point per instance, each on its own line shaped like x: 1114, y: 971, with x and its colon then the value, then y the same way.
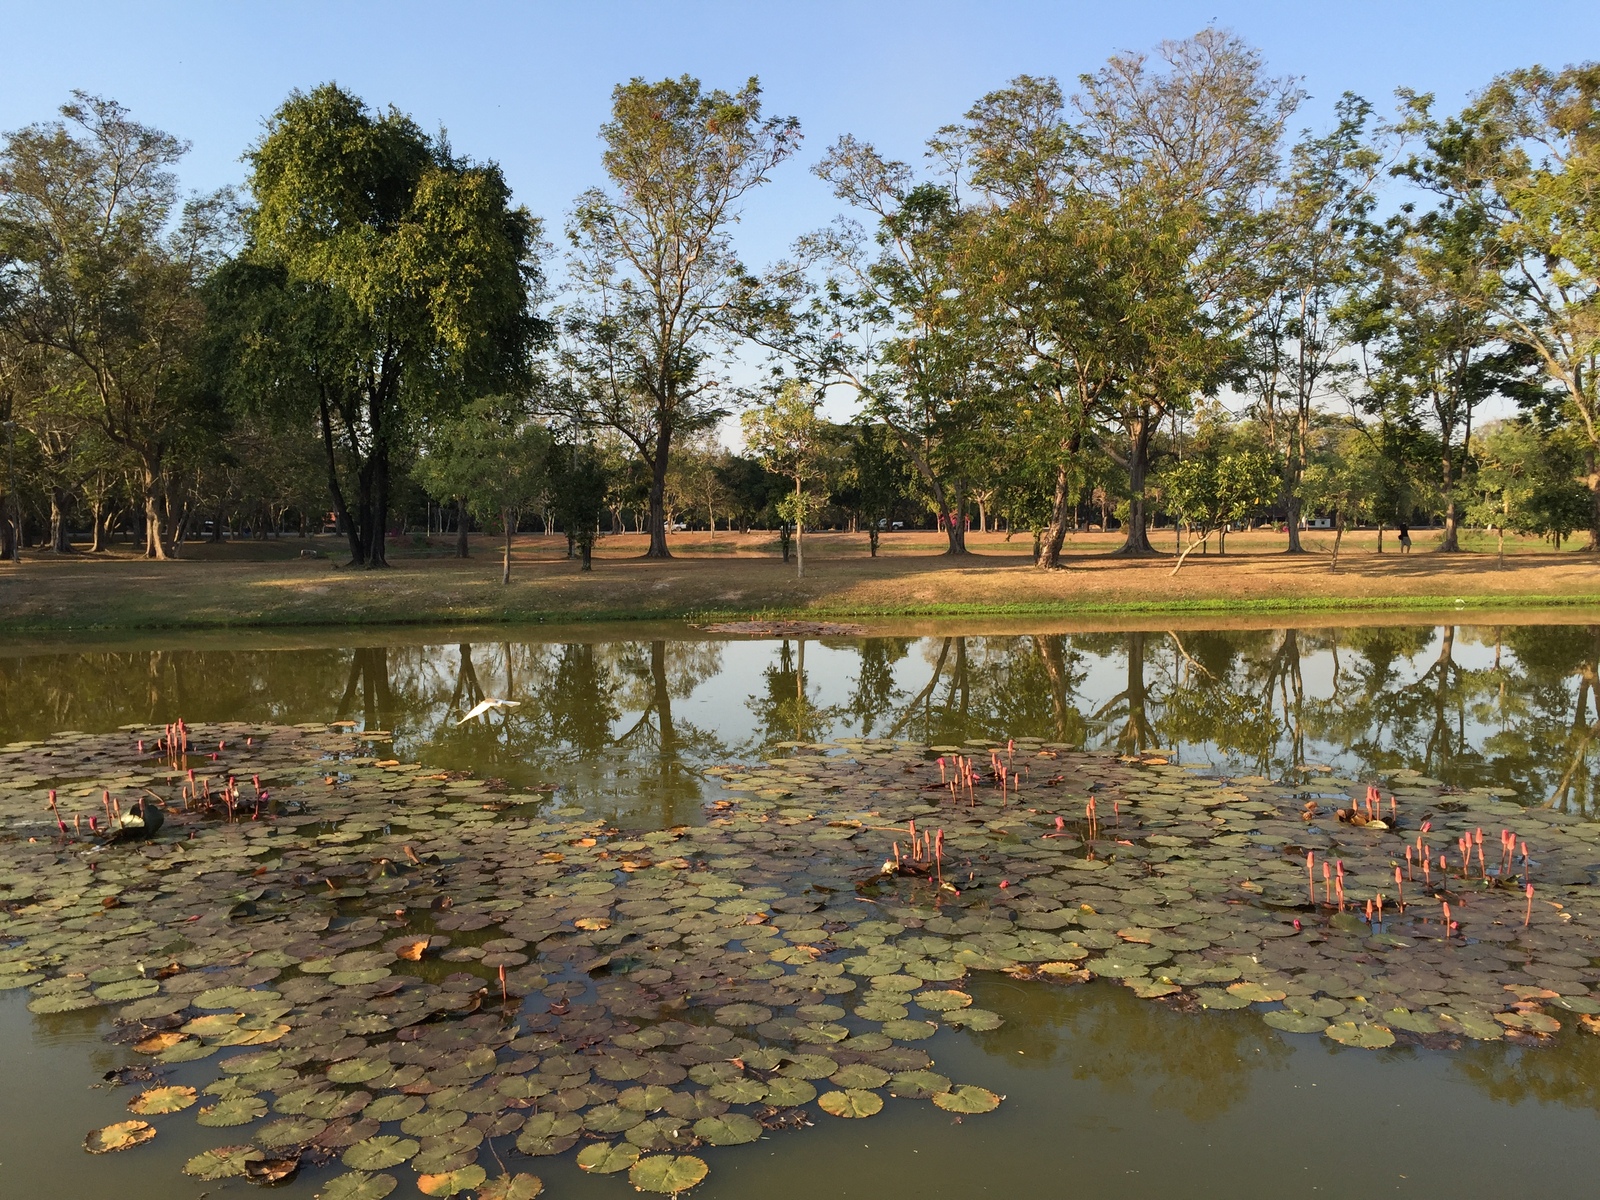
x: 1405, y: 540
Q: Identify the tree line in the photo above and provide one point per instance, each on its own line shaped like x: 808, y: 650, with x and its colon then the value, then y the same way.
x: 1145, y: 304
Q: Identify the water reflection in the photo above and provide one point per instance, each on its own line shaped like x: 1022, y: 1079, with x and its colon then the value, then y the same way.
x: 625, y: 723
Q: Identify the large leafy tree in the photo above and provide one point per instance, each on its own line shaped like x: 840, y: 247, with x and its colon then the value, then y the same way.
x: 1524, y: 159
x: 384, y: 282
x: 1297, y: 341
x: 654, y: 263
x: 101, y: 266
x: 1186, y: 150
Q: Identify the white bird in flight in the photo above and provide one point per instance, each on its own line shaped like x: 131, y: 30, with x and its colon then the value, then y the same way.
x: 484, y: 706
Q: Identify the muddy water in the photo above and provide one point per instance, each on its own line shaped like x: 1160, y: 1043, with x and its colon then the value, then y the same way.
x: 1106, y: 1095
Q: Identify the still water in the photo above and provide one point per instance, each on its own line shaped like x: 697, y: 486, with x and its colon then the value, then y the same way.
x: 1106, y: 1095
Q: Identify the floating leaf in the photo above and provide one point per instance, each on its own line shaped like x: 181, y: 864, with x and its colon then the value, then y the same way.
x: 1254, y: 993
x: 124, y: 1135
x: 606, y: 1158
x: 239, y: 1110
x: 376, y: 1153
x: 859, y: 1075
x: 731, y: 1129
x: 1293, y: 1022
x: 224, y: 1162
x: 909, y: 1031
x: 667, y: 1174
x: 162, y: 1100
x: 511, y: 1187
x: 357, y: 1185
x: 1359, y: 1033
x: 852, y: 1102
x: 449, y: 1183
x: 967, y: 1099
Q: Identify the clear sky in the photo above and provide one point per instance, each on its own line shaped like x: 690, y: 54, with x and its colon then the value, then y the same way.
x: 528, y: 84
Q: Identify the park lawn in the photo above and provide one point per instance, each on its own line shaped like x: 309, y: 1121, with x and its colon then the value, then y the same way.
x: 237, y: 585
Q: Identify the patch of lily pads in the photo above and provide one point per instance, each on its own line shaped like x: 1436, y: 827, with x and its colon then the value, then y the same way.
x: 410, y: 974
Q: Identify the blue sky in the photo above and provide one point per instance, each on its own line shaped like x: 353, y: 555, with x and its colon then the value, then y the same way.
x: 528, y: 84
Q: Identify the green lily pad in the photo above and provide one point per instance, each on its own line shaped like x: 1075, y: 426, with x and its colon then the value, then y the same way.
x: 1293, y: 1022
x: 852, y: 1102
x: 859, y: 1075
x: 784, y: 1091
x: 1412, y: 1022
x: 918, y: 1085
x: 238, y: 1110
x: 979, y: 1020
x: 393, y: 1107
x: 289, y: 1131
x: 730, y: 1129
x: 224, y: 1162
x: 511, y: 1187
x: 128, y: 989
x: 909, y: 1031
x: 942, y: 1000
x: 1217, y: 998
x: 667, y: 1174
x: 967, y: 1098
x: 611, y: 1118
x: 607, y: 1158
x: 376, y: 1153
x: 739, y: 1091
x: 742, y: 1014
x: 1359, y: 1033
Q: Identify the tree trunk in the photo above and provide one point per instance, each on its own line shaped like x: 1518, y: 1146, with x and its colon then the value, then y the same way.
x: 154, y: 547
x: 1137, y: 540
x: 1338, y: 537
x: 1292, y: 504
x: 60, y: 536
x: 1448, y: 543
x: 505, y: 564
x: 658, y: 496
x: 955, y: 525
x: 1048, y: 555
x: 799, y: 531
x: 872, y: 539
x: 341, y: 511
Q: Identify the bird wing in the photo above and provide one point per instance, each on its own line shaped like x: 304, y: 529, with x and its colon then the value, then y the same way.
x: 485, y: 705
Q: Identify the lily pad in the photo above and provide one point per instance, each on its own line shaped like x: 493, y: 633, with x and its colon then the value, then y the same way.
x: 607, y: 1158
x: 1293, y: 1022
x: 968, y: 1098
x: 1359, y: 1033
x: 224, y: 1162
x: 162, y: 1100
x: 852, y: 1102
x: 237, y: 1110
x: 730, y: 1129
x: 376, y: 1153
x: 511, y: 1187
x: 667, y: 1174
x: 450, y: 1183
x: 124, y: 1135
x: 357, y: 1185
x: 918, y: 1085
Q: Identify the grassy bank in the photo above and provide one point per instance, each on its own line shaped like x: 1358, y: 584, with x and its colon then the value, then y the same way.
x: 269, y: 586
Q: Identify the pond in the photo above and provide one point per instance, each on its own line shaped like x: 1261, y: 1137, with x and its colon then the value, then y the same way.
x: 1158, y: 1053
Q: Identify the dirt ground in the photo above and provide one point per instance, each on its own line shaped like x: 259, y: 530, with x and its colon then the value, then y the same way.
x: 269, y: 584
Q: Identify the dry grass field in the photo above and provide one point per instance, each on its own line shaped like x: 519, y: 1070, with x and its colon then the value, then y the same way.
x: 268, y: 584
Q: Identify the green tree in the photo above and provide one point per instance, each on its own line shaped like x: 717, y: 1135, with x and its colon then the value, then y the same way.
x: 1209, y: 493
x: 384, y: 283
x: 1185, y: 153
x: 1522, y: 159
x: 101, y: 264
x: 875, y: 478
x: 655, y: 264
x: 789, y: 437
x: 495, y: 458
x: 578, y: 486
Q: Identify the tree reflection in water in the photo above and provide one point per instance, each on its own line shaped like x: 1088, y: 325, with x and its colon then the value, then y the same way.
x: 1104, y: 1033
x: 604, y: 717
